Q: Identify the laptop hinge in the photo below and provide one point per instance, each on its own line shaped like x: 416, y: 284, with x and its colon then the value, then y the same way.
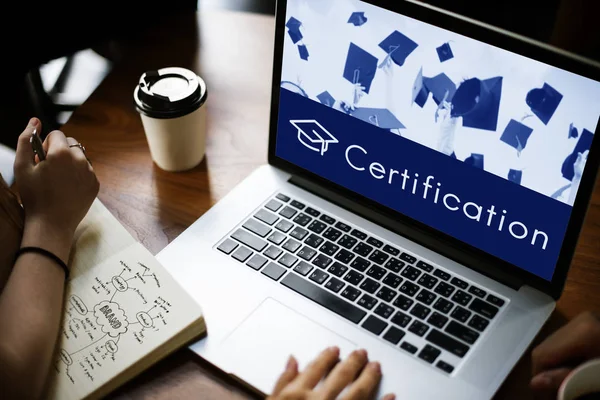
x: 410, y: 232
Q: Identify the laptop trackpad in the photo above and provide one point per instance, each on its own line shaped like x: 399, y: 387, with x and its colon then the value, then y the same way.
x: 258, y: 349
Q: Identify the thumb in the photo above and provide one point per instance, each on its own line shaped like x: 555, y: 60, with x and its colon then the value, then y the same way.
x: 24, y: 155
x: 550, y: 380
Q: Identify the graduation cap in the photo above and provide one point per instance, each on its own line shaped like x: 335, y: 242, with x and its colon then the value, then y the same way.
x: 420, y: 93
x: 573, y: 132
x: 516, y: 135
x: 293, y: 26
x: 475, y: 160
x: 380, y: 117
x: 544, y: 102
x: 326, y: 98
x: 303, y: 52
x: 478, y: 102
x: 357, y: 18
x: 515, y: 176
x: 360, y: 67
x: 439, y: 85
x: 584, y: 143
x: 313, y: 136
x: 445, y: 52
x: 398, y: 47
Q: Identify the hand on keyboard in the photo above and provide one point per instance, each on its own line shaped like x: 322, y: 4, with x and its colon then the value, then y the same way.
x: 355, y: 372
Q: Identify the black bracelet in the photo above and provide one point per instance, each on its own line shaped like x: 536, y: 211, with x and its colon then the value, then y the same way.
x: 44, y: 253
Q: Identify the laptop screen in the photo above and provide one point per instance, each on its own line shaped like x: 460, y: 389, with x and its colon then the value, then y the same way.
x: 482, y: 144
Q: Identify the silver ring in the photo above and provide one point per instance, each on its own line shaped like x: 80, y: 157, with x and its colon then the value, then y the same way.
x: 78, y: 145
x: 82, y: 149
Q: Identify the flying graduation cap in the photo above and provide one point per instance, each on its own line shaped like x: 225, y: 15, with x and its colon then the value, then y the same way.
x: 293, y: 26
x: 475, y: 160
x: 357, y: 19
x: 398, y: 47
x: 420, y: 93
x: 439, y: 85
x: 573, y: 132
x: 326, y: 98
x: 544, y: 102
x: 515, y: 176
x: 360, y: 67
x: 516, y: 135
x: 313, y: 136
x: 445, y: 52
x: 584, y: 143
x: 381, y: 117
x: 303, y: 50
x: 478, y: 102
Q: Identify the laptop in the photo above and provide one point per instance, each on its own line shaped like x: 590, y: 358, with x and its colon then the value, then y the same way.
x: 427, y: 180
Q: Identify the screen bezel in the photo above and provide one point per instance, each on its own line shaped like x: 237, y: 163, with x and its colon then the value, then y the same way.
x: 464, y: 253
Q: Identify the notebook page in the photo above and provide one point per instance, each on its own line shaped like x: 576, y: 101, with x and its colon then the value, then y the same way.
x: 98, y: 236
x: 116, y: 313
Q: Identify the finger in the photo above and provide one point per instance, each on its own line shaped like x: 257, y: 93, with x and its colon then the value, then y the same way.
x: 549, y: 380
x: 585, y: 154
x: 366, y: 384
x: 56, y: 142
x: 574, y: 342
x: 290, y: 373
x: 389, y: 396
x: 78, y: 152
x: 343, y: 374
x: 24, y: 155
x: 315, y: 371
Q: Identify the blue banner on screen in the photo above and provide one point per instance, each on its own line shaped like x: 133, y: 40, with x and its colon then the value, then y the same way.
x: 513, y: 223
x: 480, y: 143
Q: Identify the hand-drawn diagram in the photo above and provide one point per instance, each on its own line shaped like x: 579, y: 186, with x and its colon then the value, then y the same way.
x: 122, y: 301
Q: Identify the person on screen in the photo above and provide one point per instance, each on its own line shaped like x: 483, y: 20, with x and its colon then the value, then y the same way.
x: 573, y: 187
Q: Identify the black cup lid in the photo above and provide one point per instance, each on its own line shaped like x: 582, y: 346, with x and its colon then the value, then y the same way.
x: 169, y: 93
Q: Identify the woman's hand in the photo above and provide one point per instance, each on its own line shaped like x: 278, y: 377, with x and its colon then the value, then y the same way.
x: 356, y: 377
x: 569, y: 347
x: 57, y: 192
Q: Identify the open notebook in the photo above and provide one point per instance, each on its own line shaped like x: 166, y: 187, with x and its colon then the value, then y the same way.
x: 123, y: 312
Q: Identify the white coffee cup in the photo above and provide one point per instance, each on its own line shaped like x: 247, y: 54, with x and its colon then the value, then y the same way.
x: 171, y: 104
x: 583, y: 380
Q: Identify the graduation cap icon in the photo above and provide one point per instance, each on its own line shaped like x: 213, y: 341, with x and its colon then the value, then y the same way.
x: 398, y: 47
x: 360, y: 67
x: 326, y: 98
x: 475, y: 160
x: 516, y: 135
x: 544, y: 102
x: 357, y: 18
x: 515, y: 176
x: 303, y: 50
x: 478, y: 102
x: 573, y: 132
x: 440, y: 87
x: 313, y: 136
x: 293, y: 26
x: 420, y: 93
x: 381, y: 117
x: 584, y: 143
x: 445, y: 52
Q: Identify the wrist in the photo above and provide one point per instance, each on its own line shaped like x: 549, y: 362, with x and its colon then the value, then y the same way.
x: 48, y: 236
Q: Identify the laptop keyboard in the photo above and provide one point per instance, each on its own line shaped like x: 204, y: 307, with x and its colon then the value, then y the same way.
x: 407, y: 302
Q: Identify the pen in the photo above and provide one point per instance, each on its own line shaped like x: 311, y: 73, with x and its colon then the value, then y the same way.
x: 36, y: 144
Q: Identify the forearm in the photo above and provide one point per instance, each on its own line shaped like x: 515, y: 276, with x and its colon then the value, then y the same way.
x: 30, y: 311
x: 574, y: 189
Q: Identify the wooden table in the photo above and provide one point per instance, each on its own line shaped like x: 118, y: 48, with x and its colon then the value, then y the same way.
x: 233, y: 53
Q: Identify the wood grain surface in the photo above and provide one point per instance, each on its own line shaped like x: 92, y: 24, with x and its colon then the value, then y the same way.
x: 233, y: 53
